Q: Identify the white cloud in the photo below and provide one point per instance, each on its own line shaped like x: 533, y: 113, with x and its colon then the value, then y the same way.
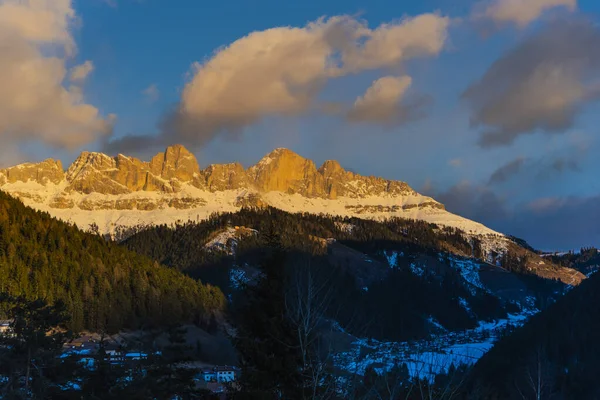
x: 151, y: 93
x: 80, y: 72
x: 391, y: 44
x: 519, y: 12
x: 381, y: 101
x: 280, y: 71
x: 455, y: 162
x: 35, y: 39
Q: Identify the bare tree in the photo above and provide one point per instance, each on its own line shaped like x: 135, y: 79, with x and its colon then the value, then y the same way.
x: 306, y: 302
x: 537, y: 379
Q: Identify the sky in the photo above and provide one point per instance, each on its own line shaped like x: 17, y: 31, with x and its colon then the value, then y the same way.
x: 490, y: 106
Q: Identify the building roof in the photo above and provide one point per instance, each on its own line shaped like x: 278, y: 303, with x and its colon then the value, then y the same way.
x: 224, y: 369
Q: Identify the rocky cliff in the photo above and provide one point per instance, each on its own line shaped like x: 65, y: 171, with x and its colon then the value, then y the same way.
x: 280, y: 171
x: 125, y: 191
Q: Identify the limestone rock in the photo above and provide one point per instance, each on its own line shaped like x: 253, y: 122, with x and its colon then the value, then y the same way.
x: 285, y: 171
x: 130, y: 172
x: 62, y: 202
x: 339, y: 182
x: 221, y: 177
x: 48, y: 171
x: 97, y: 172
x: 250, y: 200
x: 173, y: 171
x: 175, y: 162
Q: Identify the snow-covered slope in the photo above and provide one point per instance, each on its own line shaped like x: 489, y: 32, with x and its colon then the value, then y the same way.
x: 105, y: 210
x: 122, y: 192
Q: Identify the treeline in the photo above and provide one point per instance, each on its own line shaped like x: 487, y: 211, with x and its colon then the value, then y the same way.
x: 285, y: 351
x: 587, y: 260
x: 36, y: 364
x: 164, y: 243
x: 104, y: 286
x: 397, y: 304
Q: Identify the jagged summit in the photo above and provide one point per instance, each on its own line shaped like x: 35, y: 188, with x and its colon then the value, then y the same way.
x: 282, y: 170
x: 126, y: 191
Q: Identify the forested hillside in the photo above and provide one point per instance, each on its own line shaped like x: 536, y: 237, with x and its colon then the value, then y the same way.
x: 554, y: 356
x: 105, y: 286
x: 587, y: 260
x: 392, y: 280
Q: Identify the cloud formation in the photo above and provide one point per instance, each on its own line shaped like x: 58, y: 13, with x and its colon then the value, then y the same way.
x: 151, y: 93
x: 281, y: 71
x: 549, y: 223
x: 36, y: 41
x: 80, y: 73
x: 455, y: 162
x: 541, y: 85
x: 385, y: 102
x: 507, y: 171
x: 519, y: 12
x: 560, y: 223
x: 473, y: 201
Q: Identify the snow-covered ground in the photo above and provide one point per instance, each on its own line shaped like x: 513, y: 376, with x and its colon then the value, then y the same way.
x: 109, y: 219
x: 469, y: 270
x: 426, y: 358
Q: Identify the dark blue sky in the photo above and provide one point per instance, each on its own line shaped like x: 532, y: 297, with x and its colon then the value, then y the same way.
x: 541, y: 183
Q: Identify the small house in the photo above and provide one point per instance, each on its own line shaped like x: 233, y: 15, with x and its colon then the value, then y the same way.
x: 4, y: 326
x: 225, y: 374
x: 209, y: 375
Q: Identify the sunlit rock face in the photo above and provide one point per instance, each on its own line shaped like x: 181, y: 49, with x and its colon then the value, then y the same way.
x: 48, y: 171
x: 124, y: 191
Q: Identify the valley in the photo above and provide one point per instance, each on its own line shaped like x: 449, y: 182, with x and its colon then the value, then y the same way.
x: 393, y: 279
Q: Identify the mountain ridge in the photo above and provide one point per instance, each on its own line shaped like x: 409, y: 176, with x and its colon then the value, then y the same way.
x: 123, y: 191
x: 119, y: 195
x: 280, y: 170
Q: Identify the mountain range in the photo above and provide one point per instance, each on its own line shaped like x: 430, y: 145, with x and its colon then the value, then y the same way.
x: 125, y: 191
x: 117, y: 196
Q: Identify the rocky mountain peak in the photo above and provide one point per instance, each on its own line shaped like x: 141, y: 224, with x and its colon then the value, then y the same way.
x: 176, y: 176
x: 221, y: 177
x: 87, y: 162
x: 283, y: 170
x: 47, y: 171
x: 331, y: 168
x: 175, y: 162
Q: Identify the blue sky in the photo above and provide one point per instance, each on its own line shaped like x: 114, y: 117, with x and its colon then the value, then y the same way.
x: 549, y: 177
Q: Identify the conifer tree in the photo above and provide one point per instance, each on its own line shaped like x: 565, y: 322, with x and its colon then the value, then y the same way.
x: 269, y: 355
x: 29, y: 353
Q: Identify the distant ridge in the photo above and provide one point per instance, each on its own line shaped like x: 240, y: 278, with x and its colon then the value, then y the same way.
x: 124, y: 191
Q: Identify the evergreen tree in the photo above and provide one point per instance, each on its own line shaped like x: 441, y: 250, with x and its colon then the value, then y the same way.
x: 29, y: 352
x: 265, y: 339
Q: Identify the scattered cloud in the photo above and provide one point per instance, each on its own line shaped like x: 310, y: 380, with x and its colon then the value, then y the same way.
x: 455, y: 162
x: 281, y: 71
x: 473, y: 201
x: 80, y: 72
x: 518, y: 12
x: 559, y: 223
x: 553, y: 223
x: 564, y: 164
x: 385, y: 103
x: 36, y: 41
x: 507, y: 171
x: 541, y: 85
x: 151, y: 93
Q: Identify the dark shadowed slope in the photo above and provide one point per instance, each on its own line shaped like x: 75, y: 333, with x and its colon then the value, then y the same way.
x: 554, y: 355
